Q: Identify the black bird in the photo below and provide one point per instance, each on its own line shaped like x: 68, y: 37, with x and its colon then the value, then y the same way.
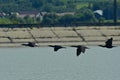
x: 56, y: 47
x: 30, y: 44
x: 80, y: 49
x: 108, y: 43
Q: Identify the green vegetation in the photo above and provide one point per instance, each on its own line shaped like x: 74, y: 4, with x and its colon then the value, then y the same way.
x: 80, y: 5
x: 5, y: 21
x: 83, y: 11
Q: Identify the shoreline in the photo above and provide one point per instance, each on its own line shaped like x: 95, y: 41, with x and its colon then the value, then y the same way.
x: 65, y: 36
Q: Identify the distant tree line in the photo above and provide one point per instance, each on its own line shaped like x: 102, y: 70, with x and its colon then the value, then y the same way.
x: 40, y: 5
x: 83, y: 11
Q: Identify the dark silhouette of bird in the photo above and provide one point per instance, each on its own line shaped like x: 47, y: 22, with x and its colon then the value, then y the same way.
x: 30, y: 44
x: 80, y: 49
x: 108, y: 43
x: 56, y: 47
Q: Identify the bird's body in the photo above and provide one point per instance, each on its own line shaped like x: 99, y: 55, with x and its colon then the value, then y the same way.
x: 80, y: 49
x: 31, y: 44
x: 56, y: 47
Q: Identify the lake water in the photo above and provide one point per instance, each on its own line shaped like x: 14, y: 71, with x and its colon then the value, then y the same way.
x: 42, y: 63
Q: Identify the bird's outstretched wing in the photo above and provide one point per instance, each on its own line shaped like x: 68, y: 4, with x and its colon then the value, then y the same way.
x: 83, y: 49
x: 78, y: 51
x: 56, y: 49
x: 109, y: 42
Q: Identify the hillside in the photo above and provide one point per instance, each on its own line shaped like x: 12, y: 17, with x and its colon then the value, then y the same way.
x: 43, y: 5
x: 40, y: 5
x: 83, y: 9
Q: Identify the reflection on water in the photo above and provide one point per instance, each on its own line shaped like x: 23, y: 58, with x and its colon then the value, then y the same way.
x: 44, y: 64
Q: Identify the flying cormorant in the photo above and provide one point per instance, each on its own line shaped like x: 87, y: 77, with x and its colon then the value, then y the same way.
x: 108, y: 43
x: 56, y: 47
x: 80, y: 49
x: 30, y: 44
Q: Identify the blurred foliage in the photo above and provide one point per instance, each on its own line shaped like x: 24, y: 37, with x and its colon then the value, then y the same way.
x: 83, y: 9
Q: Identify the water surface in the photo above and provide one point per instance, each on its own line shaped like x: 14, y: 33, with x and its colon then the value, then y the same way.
x: 43, y: 63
